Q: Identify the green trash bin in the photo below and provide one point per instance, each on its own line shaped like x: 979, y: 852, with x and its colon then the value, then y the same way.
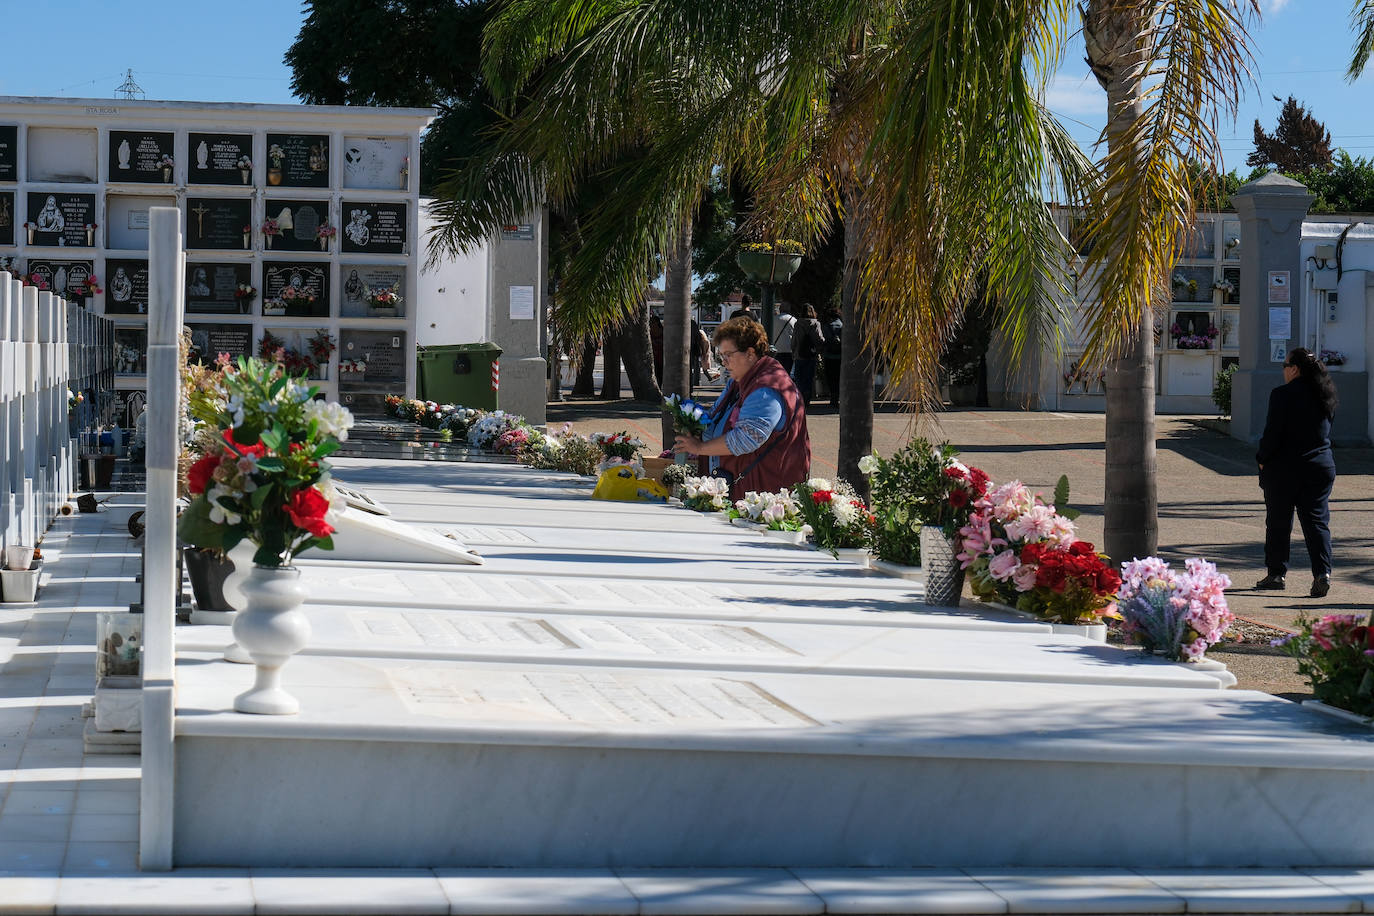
x: 464, y: 374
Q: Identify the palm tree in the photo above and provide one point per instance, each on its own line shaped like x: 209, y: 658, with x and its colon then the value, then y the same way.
x: 1362, y: 20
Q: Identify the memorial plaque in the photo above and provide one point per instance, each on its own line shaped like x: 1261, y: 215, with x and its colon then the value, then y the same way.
x: 299, y: 344
x: 129, y: 404
x: 381, y: 163
x: 126, y: 287
x: 298, y: 221
x: 11, y: 265
x: 60, y: 219
x: 208, y: 341
x: 298, y: 160
x: 1191, y: 284
x: 360, y: 279
x: 6, y: 217
x: 312, y: 278
x: 141, y: 155
x: 211, y: 288
x: 9, y: 152
x: 219, y: 222
x: 449, y: 630
x: 131, y: 350
x: 375, y: 360
x: 219, y: 159
x: 373, y: 227
x: 65, y: 278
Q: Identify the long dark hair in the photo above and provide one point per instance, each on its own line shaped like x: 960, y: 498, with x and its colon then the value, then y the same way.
x: 1313, y: 371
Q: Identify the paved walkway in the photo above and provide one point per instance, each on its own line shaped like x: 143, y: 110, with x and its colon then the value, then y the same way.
x: 68, y: 820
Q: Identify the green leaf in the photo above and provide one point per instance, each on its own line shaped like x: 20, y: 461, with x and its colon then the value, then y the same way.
x: 274, y: 438
x: 195, y: 528
x: 271, y: 464
x: 1061, y: 499
x: 259, y: 496
x: 327, y: 447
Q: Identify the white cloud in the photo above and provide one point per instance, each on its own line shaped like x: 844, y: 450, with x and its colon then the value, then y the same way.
x: 1076, y: 96
x: 1272, y: 6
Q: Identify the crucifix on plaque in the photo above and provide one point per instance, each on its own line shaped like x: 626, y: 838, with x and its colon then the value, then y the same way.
x: 200, y: 210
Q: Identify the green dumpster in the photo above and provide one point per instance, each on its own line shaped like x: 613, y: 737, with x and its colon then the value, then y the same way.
x: 462, y: 374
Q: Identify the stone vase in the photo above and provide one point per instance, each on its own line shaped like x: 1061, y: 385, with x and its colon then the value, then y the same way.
x: 859, y: 556
x: 271, y: 628
x: 207, y: 573
x: 944, y: 578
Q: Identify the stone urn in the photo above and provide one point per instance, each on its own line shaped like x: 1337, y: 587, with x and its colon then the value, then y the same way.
x: 271, y: 628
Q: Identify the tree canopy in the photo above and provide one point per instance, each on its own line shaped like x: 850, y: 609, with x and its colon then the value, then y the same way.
x: 1299, y: 143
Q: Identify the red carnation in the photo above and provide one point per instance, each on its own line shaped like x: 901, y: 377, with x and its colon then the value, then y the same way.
x: 198, y: 475
x: 307, y: 509
x: 821, y: 497
x: 257, y: 449
x: 1082, y: 549
x: 954, y: 473
x: 958, y: 498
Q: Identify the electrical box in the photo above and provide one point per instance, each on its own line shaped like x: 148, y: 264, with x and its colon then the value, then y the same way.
x: 1324, y: 278
x: 1331, y: 300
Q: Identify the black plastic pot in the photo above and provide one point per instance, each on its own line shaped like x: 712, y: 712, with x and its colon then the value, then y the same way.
x: 207, y: 573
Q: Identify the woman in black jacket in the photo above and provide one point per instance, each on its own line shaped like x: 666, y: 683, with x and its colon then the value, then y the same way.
x: 1297, y: 470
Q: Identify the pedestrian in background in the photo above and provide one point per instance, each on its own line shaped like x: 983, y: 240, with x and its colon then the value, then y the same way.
x: 1296, y: 469
x: 782, y: 339
x: 807, y: 342
x: 830, y: 356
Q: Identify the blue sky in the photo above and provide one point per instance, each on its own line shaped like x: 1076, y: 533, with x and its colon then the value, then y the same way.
x: 216, y: 51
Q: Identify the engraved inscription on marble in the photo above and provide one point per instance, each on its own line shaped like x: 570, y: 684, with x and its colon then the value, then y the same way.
x: 484, y: 534
x: 673, y: 638
x: 456, y: 630
x: 600, y: 698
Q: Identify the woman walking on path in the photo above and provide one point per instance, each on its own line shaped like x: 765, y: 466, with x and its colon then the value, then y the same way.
x: 1296, y: 469
x: 808, y: 340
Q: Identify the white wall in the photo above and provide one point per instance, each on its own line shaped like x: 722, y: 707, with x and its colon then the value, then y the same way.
x: 452, y: 296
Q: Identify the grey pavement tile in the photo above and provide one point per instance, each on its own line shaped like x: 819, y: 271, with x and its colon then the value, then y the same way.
x: 206, y: 892
x: 35, y: 828
x: 100, y: 858
x: 107, y: 801
x: 1251, y: 890
x: 38, y: 799
x: 899, y: 890
x: 1078, y: 890
x: 686, y: 891
x: 514, y: 891
x: 105, y: 828
x: 22, y: 855
x: 347, y: 891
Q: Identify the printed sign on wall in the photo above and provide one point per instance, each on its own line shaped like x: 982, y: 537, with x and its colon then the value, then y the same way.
x: 141, y: 155
x: 373, y: 227
x: 220, y: 159
x: 298, y: 160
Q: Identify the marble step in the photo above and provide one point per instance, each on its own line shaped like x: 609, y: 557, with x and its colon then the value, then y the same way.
x: 421, y: 763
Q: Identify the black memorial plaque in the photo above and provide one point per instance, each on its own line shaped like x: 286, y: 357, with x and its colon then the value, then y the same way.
x: 65, y: 278
x: 298, y: 160
x: 208, y: 341
x: 373, y: 227
x: 61, y: 219
x: 131, y: 350
x: 312, y: 278
x: 298, y: 221
x: 6, y: 217
x: 382, y: 354
x: 211, y: 288
x: 126, y: 287
x: 9, y: 152
x: 219, y: 159
x: 143, y: 156
x: 361, y: 279
x: 221, y: 223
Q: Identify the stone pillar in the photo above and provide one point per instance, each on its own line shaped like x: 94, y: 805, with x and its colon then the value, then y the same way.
x: 1271, y: 211
x: 517, y: 269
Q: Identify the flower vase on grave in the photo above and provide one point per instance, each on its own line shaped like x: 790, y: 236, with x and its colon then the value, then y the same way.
x: 944, y: 577
x: 269, y: 240
x: 271, y: 628
x: 30, y: 229
x: 274, y: 176
x: 166, y: 174
x: 246, y: 175
x: 324, y: 244
x: 90, y: 236
x: 247, y: 237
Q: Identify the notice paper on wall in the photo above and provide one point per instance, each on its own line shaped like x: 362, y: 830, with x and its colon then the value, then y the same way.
x: 522, y: 303
x: 1280, y: 323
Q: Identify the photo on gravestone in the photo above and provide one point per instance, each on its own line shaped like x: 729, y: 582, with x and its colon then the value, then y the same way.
x: 221, y: 223
x: 9, y: 152
x: 372, y: 361
x: 373, y: 227
x: 127, y: 406
x: 284, y: 282
x: 380, y: 163
x: 219, y: 159
x: 208, y: 341
x: 65, y: 278
x: 126, y: 287
x: 131, y: 350
x: 141, y: 155
x: 298, y: 160
x: 212, y: 289
x: 6, y: 217
x: 359, y: 281
x: 60, y: 219
x: 298, y: 222
x: 300, y: 350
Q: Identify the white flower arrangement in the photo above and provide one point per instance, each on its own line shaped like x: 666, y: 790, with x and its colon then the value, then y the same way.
x: 706, y: 494
x: 489, y: 428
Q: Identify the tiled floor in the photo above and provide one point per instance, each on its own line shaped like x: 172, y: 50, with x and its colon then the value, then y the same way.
x: 69, y: 821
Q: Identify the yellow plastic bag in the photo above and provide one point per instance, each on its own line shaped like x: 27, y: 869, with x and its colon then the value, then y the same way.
x: 621, y: 485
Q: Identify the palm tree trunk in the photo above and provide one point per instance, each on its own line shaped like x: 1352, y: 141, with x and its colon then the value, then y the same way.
x: 637, y: 351
x: 610, y: 365
x: 856, y: 356
x: 585, y: 385
x: 1113, y: 35
x: 677, y: 322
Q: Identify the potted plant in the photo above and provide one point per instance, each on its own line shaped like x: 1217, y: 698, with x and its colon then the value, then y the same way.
x: 312, y: 362
x: 706, y: 494
x: 382, y: 302
x: 839, y: 521
x: 270, y: 230
x: 1335, y: 653
x: 276, y: 157
x: 770, y: 262
x: 1178, y: 616
x: 273, y: 307
x: 267, y: 482
x: 324, y: 234
x: 617, y: 449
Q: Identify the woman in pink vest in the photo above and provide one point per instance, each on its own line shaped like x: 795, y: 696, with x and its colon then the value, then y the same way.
x: 756, y: 433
